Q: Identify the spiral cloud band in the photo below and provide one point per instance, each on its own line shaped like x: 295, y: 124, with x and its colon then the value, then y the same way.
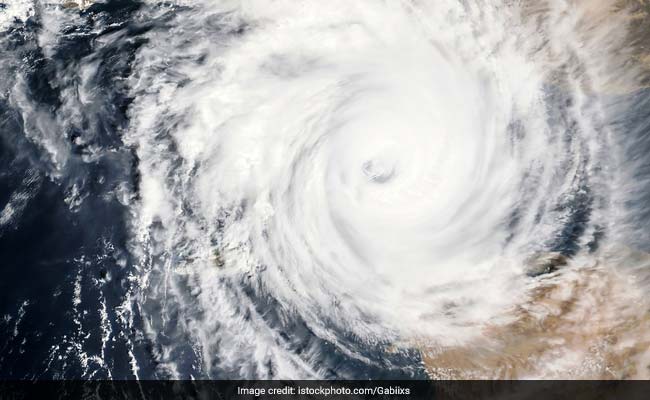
x: 382, y: 170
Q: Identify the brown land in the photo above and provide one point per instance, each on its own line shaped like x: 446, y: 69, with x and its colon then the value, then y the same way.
x: 619, y: 29
x: 586, y: 325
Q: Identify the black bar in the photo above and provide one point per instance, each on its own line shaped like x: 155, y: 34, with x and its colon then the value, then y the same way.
x: 284, y: 390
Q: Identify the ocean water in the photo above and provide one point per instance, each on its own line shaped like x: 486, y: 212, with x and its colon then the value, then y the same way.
x: 338, y: 190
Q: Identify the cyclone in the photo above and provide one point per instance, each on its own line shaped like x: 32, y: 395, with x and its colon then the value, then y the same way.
x: 353, y: 189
